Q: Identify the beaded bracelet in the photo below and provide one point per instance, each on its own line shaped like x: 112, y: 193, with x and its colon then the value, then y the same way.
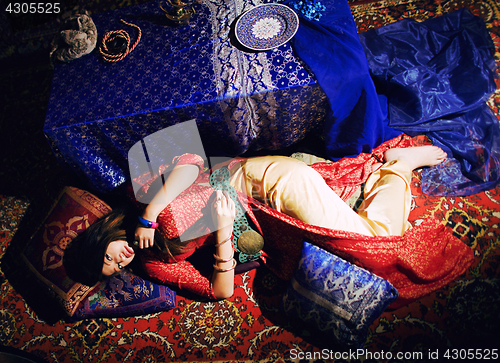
x: 223, y: 242
x: 147, y: 224
x: 218, y: 269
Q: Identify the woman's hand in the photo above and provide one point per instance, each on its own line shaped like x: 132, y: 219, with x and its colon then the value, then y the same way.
x: 223, y: 211
x: 145, y: 236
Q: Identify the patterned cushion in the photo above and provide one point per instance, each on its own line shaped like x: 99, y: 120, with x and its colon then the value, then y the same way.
x: 336, y: 297
x: 126, y: 295
x: 72, y: 213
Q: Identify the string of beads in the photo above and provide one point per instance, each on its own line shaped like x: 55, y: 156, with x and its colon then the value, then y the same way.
x: 118, y: 35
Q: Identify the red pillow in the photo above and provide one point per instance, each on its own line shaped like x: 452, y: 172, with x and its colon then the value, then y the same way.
x: 72, y: 213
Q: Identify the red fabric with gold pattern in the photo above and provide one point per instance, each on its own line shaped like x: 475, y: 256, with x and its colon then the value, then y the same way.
x: 347, y: 174
x: 424, y: 259
x: 187, y: 204
x: 181, y: 274
x: 145, y: 180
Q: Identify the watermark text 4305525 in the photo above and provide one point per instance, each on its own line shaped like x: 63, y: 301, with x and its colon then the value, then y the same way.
x: 33, y: 8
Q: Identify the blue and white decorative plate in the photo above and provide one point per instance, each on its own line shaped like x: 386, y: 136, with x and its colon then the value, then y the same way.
x: 266, y: 26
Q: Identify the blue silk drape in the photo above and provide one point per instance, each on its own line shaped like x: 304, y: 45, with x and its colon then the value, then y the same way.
x: 330, y: 47
x: 430, y: 78
x: 437, y: 76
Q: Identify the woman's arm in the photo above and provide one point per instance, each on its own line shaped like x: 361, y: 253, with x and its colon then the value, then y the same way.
x: 223, y: 276
x: 179, y: 179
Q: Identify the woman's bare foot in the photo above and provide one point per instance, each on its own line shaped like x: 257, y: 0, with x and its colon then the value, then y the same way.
x: 418, y: 156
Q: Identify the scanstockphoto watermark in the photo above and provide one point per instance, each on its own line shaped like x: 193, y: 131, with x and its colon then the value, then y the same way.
x: 327, y: 354
x: 430, y: 354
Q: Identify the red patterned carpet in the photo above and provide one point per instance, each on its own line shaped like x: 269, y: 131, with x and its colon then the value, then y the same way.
x: 248, y: 327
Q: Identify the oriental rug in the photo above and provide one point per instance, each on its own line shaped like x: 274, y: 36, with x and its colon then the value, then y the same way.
x: 248, y: 327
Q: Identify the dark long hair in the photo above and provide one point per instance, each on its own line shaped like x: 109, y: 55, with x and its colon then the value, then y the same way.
x: 84, y: 256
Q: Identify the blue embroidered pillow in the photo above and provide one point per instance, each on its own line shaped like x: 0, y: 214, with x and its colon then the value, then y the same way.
x: 126, y: 295
x: 335, y: 296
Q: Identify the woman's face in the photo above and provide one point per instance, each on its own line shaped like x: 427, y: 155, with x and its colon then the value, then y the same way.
x: 118, y: 255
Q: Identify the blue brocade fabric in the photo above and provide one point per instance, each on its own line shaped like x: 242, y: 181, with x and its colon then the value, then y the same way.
x: 437, y: 76
x: 242, y: 101
x: 336, y: 297
x: 432, y: 77
x: 127, y: 295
